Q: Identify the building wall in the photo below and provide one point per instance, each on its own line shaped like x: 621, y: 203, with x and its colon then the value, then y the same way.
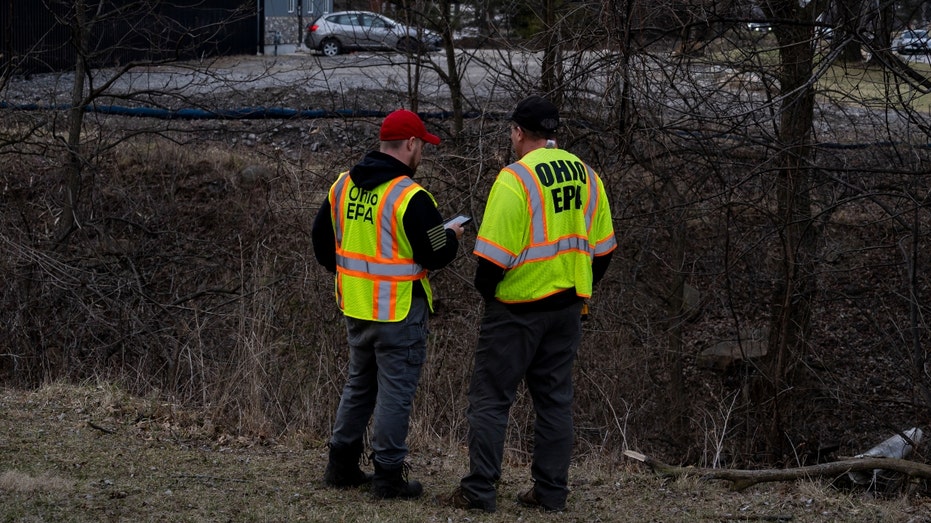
x: 281, y: 18
x: 36, y: 37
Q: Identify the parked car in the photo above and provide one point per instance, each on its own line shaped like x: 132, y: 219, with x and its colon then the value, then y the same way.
x: 334, y: 33
x: 759, y: 27
x: 913, y: 41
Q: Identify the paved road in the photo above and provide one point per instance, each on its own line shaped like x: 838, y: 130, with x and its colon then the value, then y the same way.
x: 485, y: 72
x: 488, y: 77
x: 300, y: 72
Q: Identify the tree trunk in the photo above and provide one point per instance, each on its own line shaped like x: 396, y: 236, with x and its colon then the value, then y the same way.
x: 452, y: 76
x: 74, y: 162
x: 552, y: 56
x: 796, y: 285
x: 675, y: 315
x: 621, y: 85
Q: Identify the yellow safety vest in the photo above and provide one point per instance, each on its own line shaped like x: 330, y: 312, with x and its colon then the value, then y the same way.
x: 375, y: 267
x: 546, y: 217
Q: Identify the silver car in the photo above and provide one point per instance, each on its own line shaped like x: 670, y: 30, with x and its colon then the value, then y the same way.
x: 913, y: 41
x: 341, y: 31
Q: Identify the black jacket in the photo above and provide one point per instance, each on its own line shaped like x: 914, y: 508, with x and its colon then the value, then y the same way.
x: 434, y: 247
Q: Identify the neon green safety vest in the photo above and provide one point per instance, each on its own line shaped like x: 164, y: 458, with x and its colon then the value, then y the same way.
x: 547, y: 216
x: 375, y: 267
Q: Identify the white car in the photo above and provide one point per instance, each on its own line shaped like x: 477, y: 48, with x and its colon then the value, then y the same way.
x: 913, y: 41
x: 334, y: 33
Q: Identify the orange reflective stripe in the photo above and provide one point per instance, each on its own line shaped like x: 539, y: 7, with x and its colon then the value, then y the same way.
x: 385, y: 244
x: 339, y: 290
x: 376, y: 267
x: 380, y: 257
x: 369, y: 276
x: 337, y: 200
x: 390, y: 204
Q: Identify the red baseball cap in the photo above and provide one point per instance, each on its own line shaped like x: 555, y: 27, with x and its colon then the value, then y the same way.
x: 402, y: 124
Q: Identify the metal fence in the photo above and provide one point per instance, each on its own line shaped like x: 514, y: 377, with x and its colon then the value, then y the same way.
x: 39, y: 35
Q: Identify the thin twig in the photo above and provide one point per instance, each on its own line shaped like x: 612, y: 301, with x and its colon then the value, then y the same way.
x: 105, y: 430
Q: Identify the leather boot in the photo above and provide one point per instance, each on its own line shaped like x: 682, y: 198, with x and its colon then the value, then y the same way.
x: 343, y: 468
x: 392, y: 482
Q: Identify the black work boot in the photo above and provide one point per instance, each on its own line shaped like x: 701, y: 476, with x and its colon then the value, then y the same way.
x: 391, y: 482
x: 343, y: 468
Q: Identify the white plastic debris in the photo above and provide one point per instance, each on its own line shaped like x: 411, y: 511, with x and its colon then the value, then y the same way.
x: 894, y: 447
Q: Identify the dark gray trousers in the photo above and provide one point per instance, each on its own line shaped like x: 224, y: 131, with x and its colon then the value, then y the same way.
x: 540, y: 348
x: 385, y: 359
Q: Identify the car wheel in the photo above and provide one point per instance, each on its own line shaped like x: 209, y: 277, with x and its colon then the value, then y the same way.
x: 331, y: 47
x: 408, y: 45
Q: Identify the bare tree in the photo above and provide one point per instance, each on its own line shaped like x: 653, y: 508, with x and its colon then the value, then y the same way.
x: 768, y: 201
x: 100, y: 32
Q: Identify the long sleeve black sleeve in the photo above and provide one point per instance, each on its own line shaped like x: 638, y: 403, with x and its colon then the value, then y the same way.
x: 434, y: 246
x: 600, y: 267
x: 487, y: 277
x: 323, y: 238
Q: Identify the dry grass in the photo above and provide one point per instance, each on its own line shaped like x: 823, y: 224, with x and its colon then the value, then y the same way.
x: 147, y: 461
x: 200, y: 293
x: 16, y: 481
x: 869, y: 86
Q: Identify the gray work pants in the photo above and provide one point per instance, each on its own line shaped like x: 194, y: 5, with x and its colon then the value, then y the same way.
x: 385, y: 359
x: 539, y: 347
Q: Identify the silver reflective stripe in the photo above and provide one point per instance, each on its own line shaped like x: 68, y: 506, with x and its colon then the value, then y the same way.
x: 606, y: 246
x: 494, y: 253
x: 389, y: 200
x: 543, y: 252
x: 537, y: 213
x: 383, y: 309
x: 592, y: 199
x: 378, y: 269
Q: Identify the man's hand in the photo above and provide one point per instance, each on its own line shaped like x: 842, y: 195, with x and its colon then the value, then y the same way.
x: 456, y: 228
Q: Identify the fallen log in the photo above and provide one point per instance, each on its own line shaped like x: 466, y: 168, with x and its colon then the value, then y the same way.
x: 741, y: 479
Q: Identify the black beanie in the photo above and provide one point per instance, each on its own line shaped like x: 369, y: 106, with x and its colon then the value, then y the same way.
x: 537, y: 114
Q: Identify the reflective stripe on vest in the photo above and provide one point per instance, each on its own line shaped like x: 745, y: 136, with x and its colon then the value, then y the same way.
x: 387, y: 269
x: 539, y: 248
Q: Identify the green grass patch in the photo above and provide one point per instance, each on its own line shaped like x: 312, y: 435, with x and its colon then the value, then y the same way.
x: 874, y: 87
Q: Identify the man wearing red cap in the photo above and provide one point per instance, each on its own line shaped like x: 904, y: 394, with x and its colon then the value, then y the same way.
x: 381, y: 232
